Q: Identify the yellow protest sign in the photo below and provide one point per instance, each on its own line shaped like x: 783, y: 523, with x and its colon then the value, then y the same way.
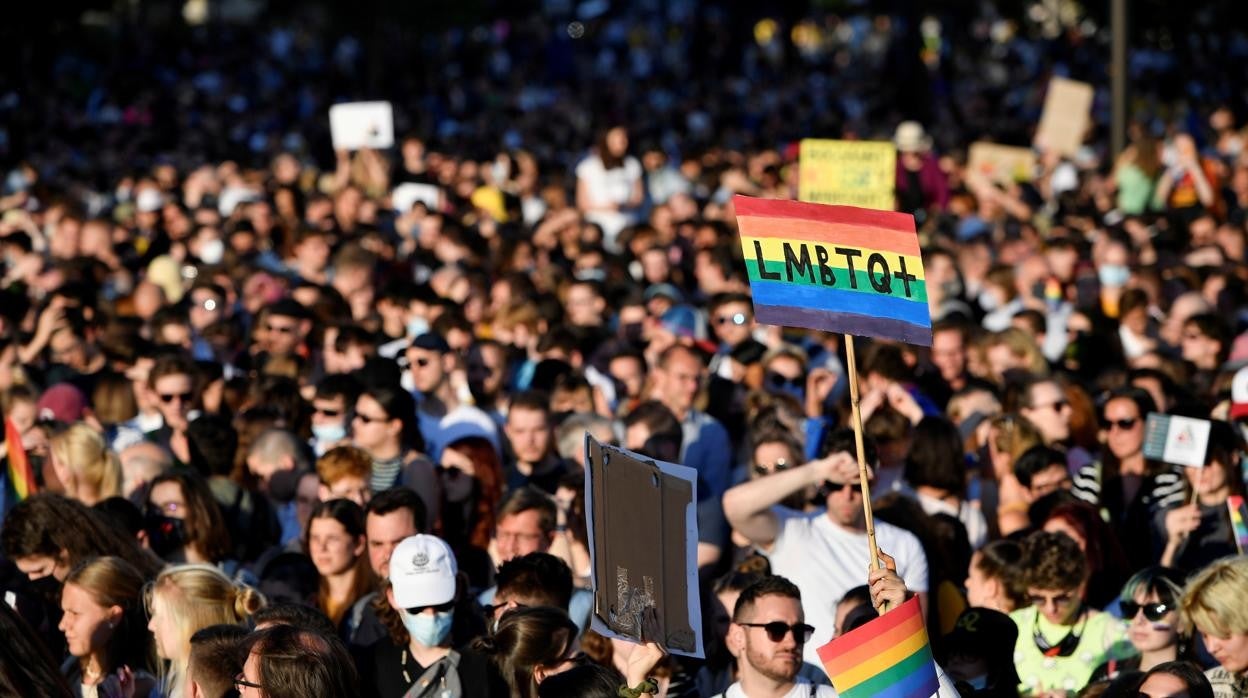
x: 848, y: 173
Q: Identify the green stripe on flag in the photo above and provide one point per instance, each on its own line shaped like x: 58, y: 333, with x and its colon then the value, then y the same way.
x: 918, y: 288
x: 897, y: 673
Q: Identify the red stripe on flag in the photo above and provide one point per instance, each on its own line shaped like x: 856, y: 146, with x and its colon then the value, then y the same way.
x: 779, y: 208
x: 21, y: 476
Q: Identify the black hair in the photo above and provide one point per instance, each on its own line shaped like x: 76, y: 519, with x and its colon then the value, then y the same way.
x: 396, y: 498
x: 1034, y: 460
x: 537, y: 575
x: 774, y: 585
x: 936, y: 458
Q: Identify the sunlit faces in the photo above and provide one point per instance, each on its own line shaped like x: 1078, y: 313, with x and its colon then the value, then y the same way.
x: 1150, y: 634
x: 333, y: 549
x: 164, y: 628
x: 520, y: 534
x: 1124, y: 427
x: 174, y: 398
x: 981, y: 589
x: 529, y: 433
x: 87, y: 625
x: 777, y: 659
x: 384, y: 533
x: 1058, y: 606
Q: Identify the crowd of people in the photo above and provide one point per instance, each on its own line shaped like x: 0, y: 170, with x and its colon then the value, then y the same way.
x: 271, y: 432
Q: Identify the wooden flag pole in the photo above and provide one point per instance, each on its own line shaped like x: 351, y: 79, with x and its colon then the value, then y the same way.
x: 863, y: 478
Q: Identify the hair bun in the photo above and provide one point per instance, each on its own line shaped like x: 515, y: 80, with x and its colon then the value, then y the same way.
x: 247, y: 601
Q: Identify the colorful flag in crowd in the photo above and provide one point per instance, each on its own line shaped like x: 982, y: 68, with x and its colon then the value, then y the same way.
x: 1235, y: 504
x: 21, y: 476
x: 836, y: 268
x: 888, y: 657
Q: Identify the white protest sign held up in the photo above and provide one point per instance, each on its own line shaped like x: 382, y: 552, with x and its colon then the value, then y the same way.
x: 356, y: 125
x: 1176, y: 440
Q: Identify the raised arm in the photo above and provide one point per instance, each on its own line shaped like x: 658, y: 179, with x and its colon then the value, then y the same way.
x: 748, y: 505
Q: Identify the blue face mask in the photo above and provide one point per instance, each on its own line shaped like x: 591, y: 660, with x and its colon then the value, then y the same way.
x: 1113, y: 275
x: 978, y: 683
x: 430, y: 630
x: 416, y: 327
x: 329, y: 433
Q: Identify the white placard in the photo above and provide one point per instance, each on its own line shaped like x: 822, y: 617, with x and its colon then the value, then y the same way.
x: 356, y: 125
x: 407, y: 194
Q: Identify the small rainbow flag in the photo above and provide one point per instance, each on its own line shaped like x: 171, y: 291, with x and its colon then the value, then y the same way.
x: 1235, y: 504
x: 888, y: 657
x: 21, y: 476
x: 836, y: 268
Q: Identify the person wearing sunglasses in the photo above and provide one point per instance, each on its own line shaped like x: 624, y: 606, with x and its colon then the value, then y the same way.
x: 768, y: 635
x: 172, y: 381
x: 385, y: 427
x: 335, y: 395
x: 415, y: 657
x: 1150, y: 608
x: 1060, y: 638
x: 823, y: 552
x: 1122, y: 481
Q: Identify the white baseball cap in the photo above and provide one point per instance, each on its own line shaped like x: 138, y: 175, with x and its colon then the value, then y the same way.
x: 422, y: 572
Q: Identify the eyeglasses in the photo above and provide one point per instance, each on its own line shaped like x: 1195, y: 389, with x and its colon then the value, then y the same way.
x: 778, y: 380
x: 422, y: 361
x: 830, y: 487
x: 779, y: 465
x: 737, y: 319
x: 1152, y: 611
x: 1123, y: 424
x: 170, y: 397
x: 369, y: 420
x: 1057, y: 406
x: 448, y: 471
x: 326, y: 411
x: 776, y: 630
x: 1063, y: 599
x: 240, y: 681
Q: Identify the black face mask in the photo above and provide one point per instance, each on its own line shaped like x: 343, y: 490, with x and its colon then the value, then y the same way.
x: 47, y: 589
x: 631, y: 332
x: 165, y: 534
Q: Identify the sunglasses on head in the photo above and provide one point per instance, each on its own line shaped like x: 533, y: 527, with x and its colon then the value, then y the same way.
x: 776, y: 630
x: 1154, y: 612
x: 170, y: 397
x: 1124, y: 424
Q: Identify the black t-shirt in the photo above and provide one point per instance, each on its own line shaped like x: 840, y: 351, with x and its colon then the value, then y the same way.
x: 387, y: 671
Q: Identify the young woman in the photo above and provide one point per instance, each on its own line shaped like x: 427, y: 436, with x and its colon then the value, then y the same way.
x: 88, y: 471
x: 184, y: 522
x: 472, y: 486
x: 1122, y: 482
x: 1199, y: 531
x: 529, y: 645
x: 110, y: 649
x: 1150, y: 607
x: 184, y: 599
x: 385, y: 427
x: 336, y: 545
x: 994, y: 579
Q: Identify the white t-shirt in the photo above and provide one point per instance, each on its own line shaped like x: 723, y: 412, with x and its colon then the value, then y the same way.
x: 803, y: 689
x: 614, y: 186
x: 825, y: 561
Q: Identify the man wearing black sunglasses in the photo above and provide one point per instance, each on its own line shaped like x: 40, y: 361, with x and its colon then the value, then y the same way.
x: 767, y: 636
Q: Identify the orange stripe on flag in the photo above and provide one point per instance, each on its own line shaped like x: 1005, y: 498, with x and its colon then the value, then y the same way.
x: 877, y: 643
x: 878, y: 663
x: 833, y: 233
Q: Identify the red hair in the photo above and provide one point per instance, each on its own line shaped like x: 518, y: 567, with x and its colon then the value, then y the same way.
x: 489, y: 476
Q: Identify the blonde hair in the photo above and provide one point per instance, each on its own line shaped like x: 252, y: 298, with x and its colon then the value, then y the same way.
x: 1024, y: 348
x: 195, y: 597
x: 1213, y: 600
x: 85, y: 454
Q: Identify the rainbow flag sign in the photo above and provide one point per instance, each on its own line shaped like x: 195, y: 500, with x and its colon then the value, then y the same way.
x: 1235, y: 504
x: 888, y: 657
x: 21, y: 475
x: 836, y: 268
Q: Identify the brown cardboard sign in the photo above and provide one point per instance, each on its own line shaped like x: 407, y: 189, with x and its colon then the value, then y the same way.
x: 1003, y: 164
x: 643, y: 542
x: 1067, y: 113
